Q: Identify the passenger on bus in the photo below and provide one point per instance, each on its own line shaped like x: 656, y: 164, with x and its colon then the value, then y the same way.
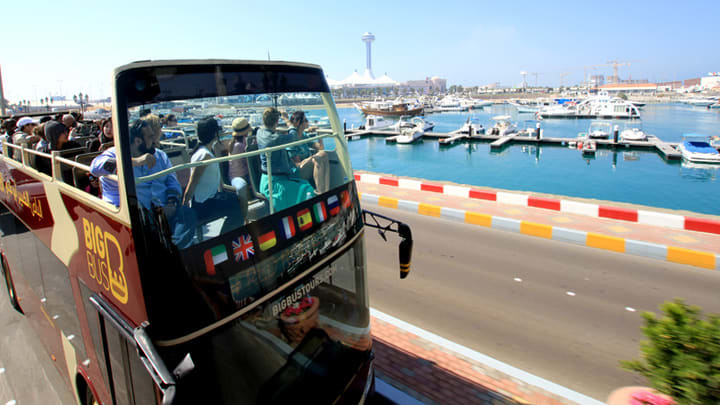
x: 238, y: 169
x: 146, y: 160
x: 155, y: 125
x: 105, y: 138
x: 288, y: 188
x: 57, y: 139
x: 24, y: 134
x: 43, y: 143
x: 70, y: 123
x: 204, y: 191
x: 311, y: 164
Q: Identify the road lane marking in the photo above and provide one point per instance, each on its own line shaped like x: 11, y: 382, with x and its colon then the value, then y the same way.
x: 518, y: 279
x: 570, y: 293
x: 631, y: 309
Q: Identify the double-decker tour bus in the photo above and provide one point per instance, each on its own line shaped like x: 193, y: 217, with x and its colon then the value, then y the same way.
x: 193, y: 275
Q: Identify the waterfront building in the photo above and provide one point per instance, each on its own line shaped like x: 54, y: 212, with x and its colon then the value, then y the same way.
x: 629, y: 88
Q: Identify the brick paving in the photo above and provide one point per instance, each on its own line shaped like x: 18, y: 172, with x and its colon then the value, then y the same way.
x: 434, y: 375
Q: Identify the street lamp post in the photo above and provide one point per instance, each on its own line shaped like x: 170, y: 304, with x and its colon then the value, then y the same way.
x: 83, y: 101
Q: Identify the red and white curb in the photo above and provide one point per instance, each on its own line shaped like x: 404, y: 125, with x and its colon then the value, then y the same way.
x: 673, y: 254
x: 573, y: 207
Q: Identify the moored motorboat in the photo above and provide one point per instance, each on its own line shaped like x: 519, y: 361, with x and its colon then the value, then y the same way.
x: 633, y: 132
x: 697, y: 148
x: 599, y: 130
x: 412, y: 123
x: 410, y: 135
x: 503, y: 126
x: 377, y: 122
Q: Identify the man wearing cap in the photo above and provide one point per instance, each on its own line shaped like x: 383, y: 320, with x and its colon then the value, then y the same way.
x: 24, y: 133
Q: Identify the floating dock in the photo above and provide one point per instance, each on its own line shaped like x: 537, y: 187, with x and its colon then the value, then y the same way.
x: 667, y: 150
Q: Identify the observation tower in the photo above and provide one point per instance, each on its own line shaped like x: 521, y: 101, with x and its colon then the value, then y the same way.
x: 368, y: 38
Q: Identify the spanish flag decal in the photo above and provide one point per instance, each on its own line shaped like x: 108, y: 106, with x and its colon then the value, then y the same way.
x: 304, y: 219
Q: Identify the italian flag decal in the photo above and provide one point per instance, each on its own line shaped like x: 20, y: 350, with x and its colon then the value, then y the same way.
x: 213, y: 257
x: 320, y: 213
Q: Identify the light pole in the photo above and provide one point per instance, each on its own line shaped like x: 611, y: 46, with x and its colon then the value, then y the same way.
x: 78, y: 99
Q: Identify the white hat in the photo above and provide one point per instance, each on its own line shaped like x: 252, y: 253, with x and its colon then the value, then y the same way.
x: 24, y: 121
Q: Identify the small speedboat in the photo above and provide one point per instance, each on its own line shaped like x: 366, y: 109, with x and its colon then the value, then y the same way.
x: 415, y: 121
x: 697, y: 148
x: 599, y: 130
x: 410, y: 135
x: 633, y: 132
x: 503, y: 126
x: 589, y: 147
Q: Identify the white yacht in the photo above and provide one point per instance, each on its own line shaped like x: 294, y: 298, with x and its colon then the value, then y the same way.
x: 503, y: 126
x: 449, y: 103
x: 604, y: 106
x: 699, y: 102
x: 697, y: 148
x: 524, y: 108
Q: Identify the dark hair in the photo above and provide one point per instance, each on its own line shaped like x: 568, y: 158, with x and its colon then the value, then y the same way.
x: 207, y: 130
x: 297, y: 118
x: 45, y: 119
x: 136, y: 130
x: 271, y: 115
x: 53, y: 130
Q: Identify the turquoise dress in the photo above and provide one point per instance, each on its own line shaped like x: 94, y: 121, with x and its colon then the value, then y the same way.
x: 288, y: 188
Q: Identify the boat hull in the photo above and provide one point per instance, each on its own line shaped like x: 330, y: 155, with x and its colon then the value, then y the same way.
x: 392, y: 113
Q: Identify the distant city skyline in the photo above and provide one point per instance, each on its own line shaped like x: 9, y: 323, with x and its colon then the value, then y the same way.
x: 66, y: 48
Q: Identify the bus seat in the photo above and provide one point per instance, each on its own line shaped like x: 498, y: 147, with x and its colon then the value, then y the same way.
x: 80, y: 178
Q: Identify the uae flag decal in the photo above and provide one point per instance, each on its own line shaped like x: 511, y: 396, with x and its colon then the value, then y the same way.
x: 213, y: 257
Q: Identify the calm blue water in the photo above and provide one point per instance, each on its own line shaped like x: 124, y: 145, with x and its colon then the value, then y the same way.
x: 638, y: 177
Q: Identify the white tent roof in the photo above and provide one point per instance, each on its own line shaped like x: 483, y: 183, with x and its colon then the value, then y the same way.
x: 385, y: 79
x: 364, y: 80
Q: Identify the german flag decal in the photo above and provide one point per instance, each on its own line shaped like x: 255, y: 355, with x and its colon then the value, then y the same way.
x: 267, y: 240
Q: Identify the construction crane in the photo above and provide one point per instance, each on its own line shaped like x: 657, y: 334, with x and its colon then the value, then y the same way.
x: 536, y: 75
x: 615, y: 65
x: 562, y: 77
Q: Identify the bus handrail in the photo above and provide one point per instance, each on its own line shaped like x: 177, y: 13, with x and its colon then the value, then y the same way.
x: 54, y: 156
x: 230, y: 157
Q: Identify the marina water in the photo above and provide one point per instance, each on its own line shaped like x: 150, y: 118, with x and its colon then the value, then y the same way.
x: 632, y: 176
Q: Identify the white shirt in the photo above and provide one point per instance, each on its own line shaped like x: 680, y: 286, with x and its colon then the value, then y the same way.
x: 209, y: 182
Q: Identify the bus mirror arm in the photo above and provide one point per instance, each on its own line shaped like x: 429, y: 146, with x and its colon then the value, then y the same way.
x: 385, y: 224
x: 154, y: 364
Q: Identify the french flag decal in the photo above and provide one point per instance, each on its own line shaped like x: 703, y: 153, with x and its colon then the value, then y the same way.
x: 288, y: 226
x: 333, y: 205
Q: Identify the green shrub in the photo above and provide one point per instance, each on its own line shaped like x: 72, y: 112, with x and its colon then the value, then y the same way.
x: 682, y: 356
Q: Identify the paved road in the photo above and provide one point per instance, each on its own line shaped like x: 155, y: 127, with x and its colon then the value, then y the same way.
x: 555, y: 310
x: 27, y: 374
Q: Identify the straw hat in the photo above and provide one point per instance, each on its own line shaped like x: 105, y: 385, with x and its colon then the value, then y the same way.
x: 240, y: 126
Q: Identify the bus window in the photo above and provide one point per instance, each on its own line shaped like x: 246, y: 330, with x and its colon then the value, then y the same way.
x: 248, y: 229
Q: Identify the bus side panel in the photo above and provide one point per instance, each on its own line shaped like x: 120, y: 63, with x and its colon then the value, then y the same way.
x: 106, y: 259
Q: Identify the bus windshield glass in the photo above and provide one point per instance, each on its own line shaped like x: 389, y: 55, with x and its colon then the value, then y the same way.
x: 242, y: 199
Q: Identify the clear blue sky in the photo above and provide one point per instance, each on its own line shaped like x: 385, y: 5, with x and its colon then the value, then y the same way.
x: 49, y: 46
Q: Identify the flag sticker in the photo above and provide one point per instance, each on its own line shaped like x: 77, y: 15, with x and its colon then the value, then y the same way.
x: 345, y: 199
x: 304, y: 219
x: 320, y: 213
x: 243, y: 248
x: 333, y: 205
x: 288, y: 226
x: 213, y: 257
x: 267, y: 240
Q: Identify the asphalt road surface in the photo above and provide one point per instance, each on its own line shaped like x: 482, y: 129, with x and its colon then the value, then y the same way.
x: 563, y: 312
